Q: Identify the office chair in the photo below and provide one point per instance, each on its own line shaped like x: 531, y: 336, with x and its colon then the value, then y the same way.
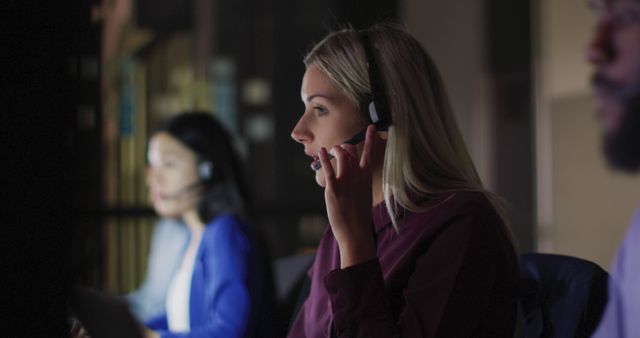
x: 560, y: 296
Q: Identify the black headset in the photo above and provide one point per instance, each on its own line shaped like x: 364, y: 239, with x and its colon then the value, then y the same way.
x: 205, y: 170
x: 377, y: 110
x: 374, y: 109
x: 205, y: 174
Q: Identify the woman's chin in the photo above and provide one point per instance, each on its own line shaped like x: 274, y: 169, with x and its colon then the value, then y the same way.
x: 165, y: 214
x: 166, y: 211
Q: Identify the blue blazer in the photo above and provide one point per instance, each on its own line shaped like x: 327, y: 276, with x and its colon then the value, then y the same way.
x: 219, y: 302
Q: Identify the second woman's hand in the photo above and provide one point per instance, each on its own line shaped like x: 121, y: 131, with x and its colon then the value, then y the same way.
x: 148, y: 333
x: 348, y: 197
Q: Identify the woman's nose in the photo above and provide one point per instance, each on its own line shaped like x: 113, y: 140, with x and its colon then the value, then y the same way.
x: 300, y: 132
x: 150, y: 175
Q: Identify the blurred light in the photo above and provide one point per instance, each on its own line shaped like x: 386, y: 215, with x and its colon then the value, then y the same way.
x: 256, y: 92
x: 259, y: 128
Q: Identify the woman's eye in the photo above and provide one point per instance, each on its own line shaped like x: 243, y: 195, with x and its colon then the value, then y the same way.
x: 168, y: 164
x: 320, y: 111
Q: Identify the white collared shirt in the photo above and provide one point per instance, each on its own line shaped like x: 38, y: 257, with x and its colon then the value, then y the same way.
x: 179, y: 291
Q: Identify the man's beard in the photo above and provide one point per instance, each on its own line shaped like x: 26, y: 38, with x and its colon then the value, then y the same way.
x: 622, y: 145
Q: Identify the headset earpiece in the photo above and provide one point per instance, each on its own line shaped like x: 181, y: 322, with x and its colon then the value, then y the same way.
x: 373, y: 112
x: 205, y: 170
x: 369, y: 110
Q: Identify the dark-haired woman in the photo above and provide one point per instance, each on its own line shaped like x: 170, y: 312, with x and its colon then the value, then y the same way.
x: 194, y: 175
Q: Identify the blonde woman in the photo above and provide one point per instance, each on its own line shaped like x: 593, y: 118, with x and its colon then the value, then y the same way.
x: 415, y: 246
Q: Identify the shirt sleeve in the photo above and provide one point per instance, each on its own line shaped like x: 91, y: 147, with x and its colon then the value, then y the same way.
x: 226, y: 293
x: 617, y: 320
x: 446, y: 295
x: 167, y: 243
x: 610, y: 325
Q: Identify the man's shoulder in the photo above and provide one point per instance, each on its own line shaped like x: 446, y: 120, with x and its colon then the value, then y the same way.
x: 635, y: 223
x: 627, y: 259
x: 632, y: 236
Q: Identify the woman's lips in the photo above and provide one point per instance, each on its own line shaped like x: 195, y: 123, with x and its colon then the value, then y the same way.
x: 313, y: 155
x: 157, y: 196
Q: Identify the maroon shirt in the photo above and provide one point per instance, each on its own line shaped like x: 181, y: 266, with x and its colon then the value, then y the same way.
x: 450, y: 272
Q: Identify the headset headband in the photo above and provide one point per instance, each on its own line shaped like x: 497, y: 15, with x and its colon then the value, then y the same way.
x: 377, y: 110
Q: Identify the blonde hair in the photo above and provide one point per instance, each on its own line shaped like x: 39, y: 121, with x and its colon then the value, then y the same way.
x: 425, y: 153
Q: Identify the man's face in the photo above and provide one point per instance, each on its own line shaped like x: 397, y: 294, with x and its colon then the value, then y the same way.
x: 615, y: 53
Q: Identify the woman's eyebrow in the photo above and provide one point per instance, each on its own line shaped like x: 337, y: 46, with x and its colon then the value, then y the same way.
x: 169, y: 153
x: 311, y: 97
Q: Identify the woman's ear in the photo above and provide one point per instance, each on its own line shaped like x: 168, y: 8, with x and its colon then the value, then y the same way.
x: 383, y: 134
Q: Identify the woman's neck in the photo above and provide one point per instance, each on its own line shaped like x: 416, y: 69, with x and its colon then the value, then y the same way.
x: 193, y: 221
x: 377, y: 194
x: 377, y: 158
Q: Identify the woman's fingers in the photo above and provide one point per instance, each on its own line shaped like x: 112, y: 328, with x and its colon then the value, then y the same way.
x: 369, y: 146
x: 342, y: 160
x: 347, y: 160
x: 327, y: 168
x: 350, y: 149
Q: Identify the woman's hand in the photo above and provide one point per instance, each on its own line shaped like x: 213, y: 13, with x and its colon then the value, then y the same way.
x: 348, y: 198
x: 148, y: 333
